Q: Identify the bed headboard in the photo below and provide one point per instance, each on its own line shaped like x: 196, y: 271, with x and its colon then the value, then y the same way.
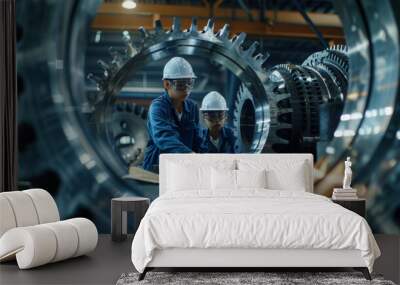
x: 209, y: 157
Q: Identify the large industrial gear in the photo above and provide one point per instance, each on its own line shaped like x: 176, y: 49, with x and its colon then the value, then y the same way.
x: 332, y: 67
x: 279, y: 109
x: 303, y: 94
x: 335, y: 62
x: 218, y: 47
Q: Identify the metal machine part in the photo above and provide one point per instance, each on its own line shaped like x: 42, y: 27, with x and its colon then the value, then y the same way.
x: 305, y: 103
x: 376, y: 144
x: 368, y: 130
x: 123, y: 125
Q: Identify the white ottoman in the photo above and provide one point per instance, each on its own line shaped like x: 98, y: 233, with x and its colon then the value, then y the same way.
x: 31, y: 232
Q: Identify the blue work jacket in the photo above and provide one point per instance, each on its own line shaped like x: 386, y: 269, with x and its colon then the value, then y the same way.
x: 168, y: 134
x: 227, y: 141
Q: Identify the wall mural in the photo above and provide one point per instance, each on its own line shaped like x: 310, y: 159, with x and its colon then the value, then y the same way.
x: 83, y: 130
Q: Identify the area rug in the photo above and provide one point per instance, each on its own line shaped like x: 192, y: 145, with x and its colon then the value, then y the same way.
x: 244, y: 278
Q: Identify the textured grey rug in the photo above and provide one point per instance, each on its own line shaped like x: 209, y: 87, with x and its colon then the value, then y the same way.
x: 242, y: 278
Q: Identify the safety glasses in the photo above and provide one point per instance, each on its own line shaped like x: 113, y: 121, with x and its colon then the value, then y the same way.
x: 214, y: 116
x: 182, y: 84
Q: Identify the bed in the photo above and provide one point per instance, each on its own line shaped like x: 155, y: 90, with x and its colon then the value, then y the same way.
x: 247, y: 210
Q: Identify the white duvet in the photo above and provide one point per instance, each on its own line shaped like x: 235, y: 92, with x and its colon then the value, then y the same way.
x: 253, y: 218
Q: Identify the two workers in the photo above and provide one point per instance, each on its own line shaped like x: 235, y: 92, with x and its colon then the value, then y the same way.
x: 173, y: 119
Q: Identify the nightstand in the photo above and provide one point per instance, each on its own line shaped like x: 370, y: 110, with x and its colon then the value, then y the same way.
x: 356, y: 205
x: 119, y: 212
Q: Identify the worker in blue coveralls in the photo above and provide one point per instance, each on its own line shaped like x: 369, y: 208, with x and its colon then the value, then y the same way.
x: 173, y: 119
x: 217, y: 137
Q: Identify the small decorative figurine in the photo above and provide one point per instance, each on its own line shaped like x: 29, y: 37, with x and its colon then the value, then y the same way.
x: 347, y: 174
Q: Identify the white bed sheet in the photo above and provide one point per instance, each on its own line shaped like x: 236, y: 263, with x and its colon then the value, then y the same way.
x: 252, y: 218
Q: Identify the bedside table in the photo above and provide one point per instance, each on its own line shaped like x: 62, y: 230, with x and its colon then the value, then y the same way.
x: 119, y: 212
x: 356, y: 205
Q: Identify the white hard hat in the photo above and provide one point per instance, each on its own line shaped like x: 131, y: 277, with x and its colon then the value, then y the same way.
x: 177, y: 68
x: 213, y: 101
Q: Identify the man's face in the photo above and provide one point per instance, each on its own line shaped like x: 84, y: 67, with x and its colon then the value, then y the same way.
x: 214, y: 119
x: 179, y: 88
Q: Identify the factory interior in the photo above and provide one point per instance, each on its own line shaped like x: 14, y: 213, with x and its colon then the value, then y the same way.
x: 298, y: 76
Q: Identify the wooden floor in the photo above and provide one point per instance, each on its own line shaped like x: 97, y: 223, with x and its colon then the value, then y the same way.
x: 110, y: 259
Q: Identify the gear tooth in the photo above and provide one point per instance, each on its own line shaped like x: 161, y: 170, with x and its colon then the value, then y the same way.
x: 117, y: 59
x: 250, y: 51
x: 224, y: 32
x: 210, y: 26
x: 339, y: 48
x: 103, y: 65
x: 143, y: 32
x: 176, y: 24
x: 111, y: 51
x: 130, y: 50
x: 260, y: 59
x: 238, y: 40
x: 258, y: 56
x: 126, y: 37
x: 241, y: 89
x: 158, y: 26
x: 114, y: 52
x: 92, y: 77
x: 97, y: 80
x: 193, y: 26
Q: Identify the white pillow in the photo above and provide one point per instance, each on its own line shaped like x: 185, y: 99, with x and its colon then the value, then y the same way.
x: 193, y: 175
x: 251, y: 178
x: 185, y: 177
x: 291, y: 180
x: 223, y: 179
x: 229, y: 180
x: 282, y: 174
